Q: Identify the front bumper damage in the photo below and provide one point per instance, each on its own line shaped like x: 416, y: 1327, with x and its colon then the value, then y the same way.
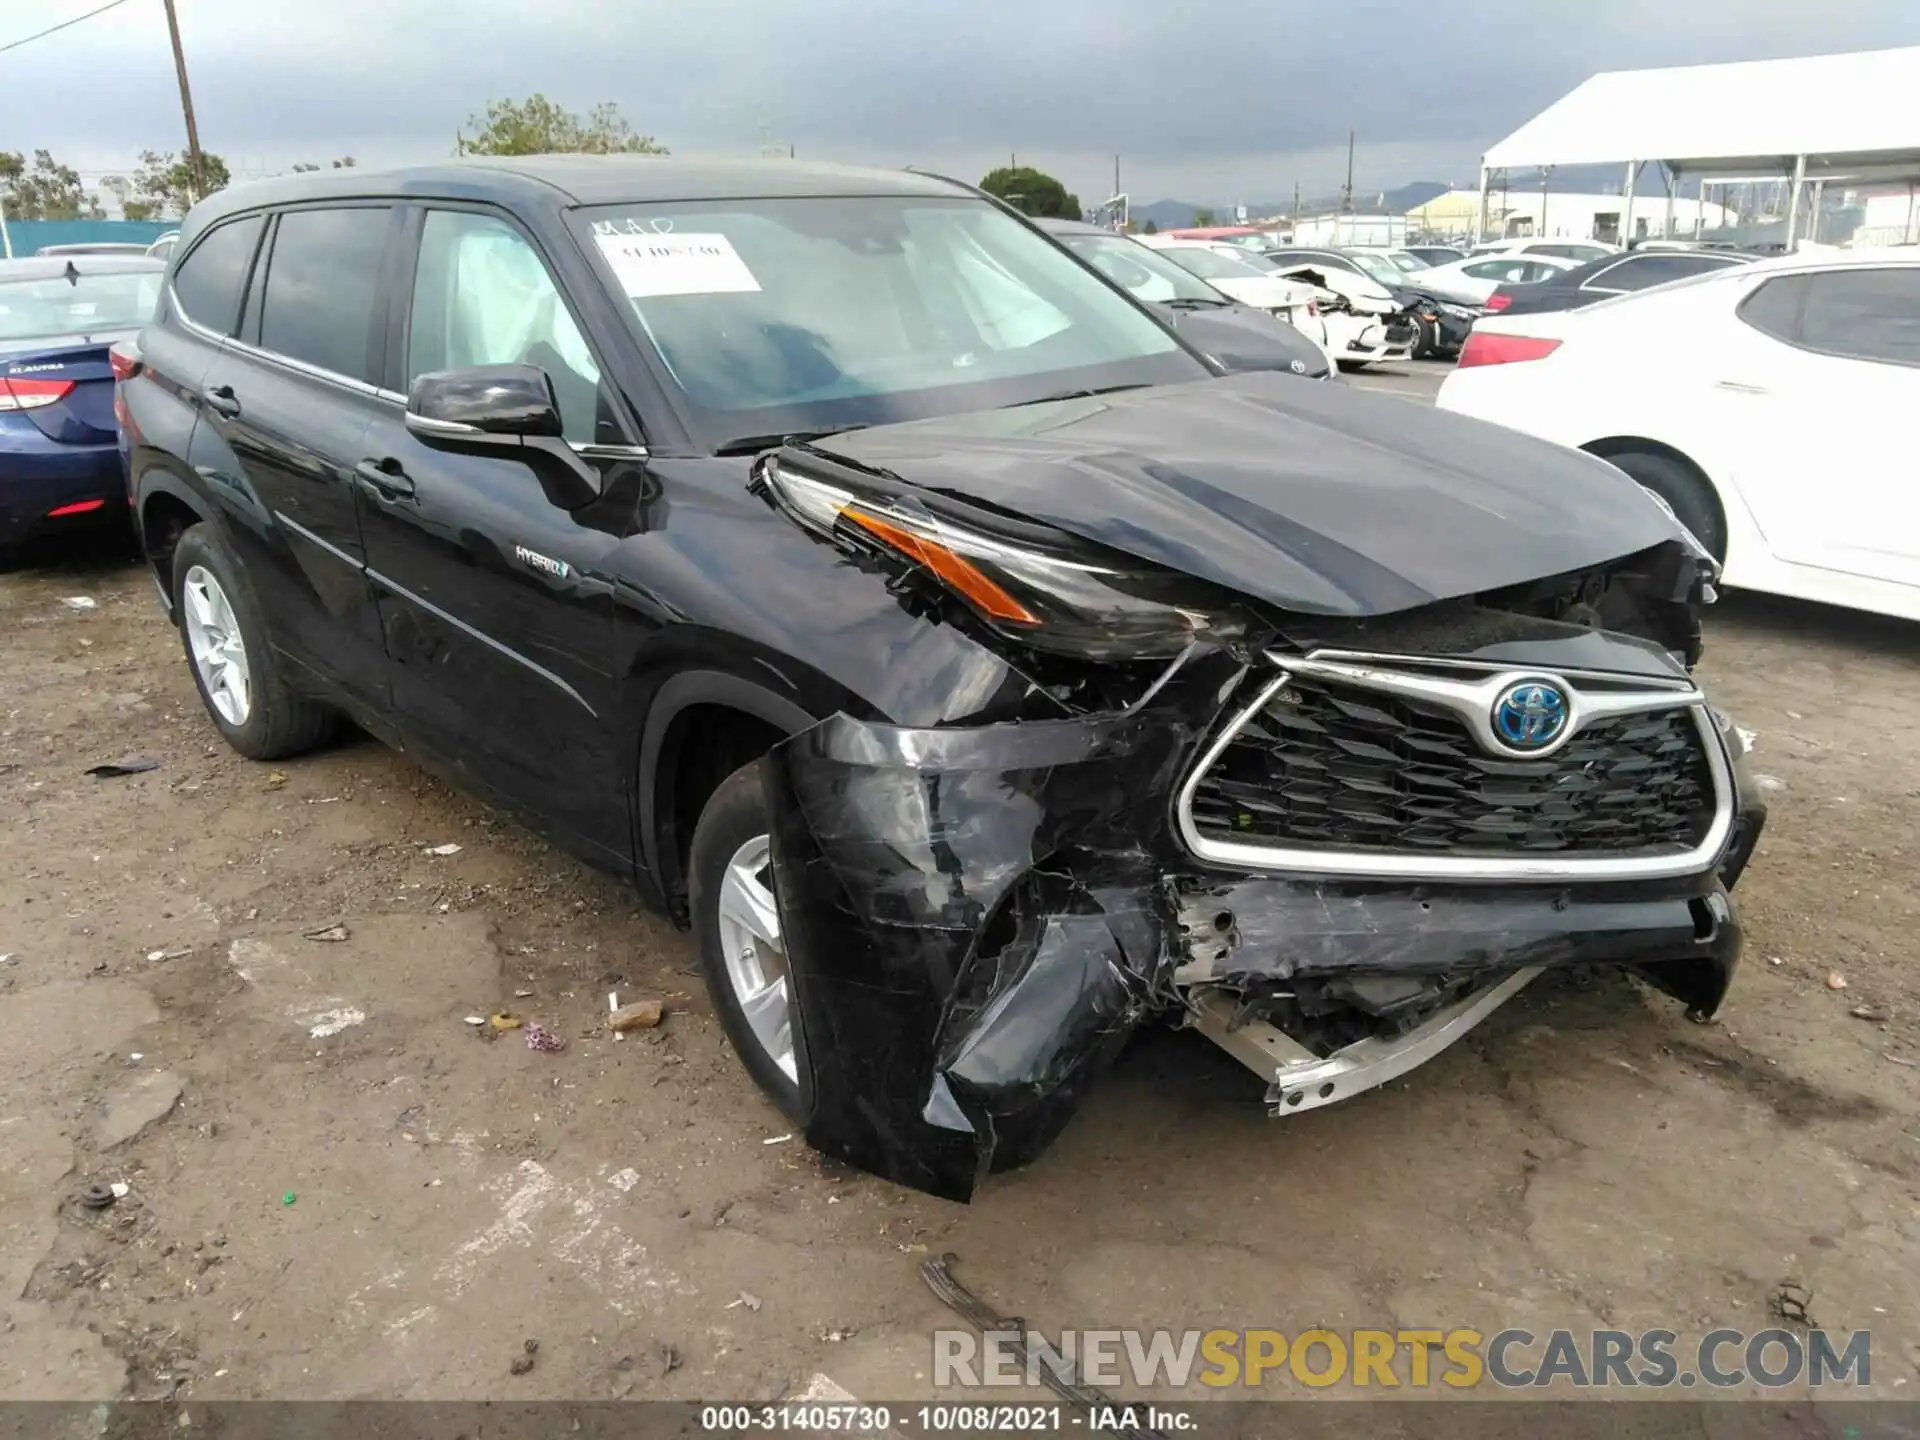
x: 977, y: 918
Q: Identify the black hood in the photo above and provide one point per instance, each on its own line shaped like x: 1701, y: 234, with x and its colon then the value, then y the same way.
x: 1243, y: 338
x: 1318, y: 498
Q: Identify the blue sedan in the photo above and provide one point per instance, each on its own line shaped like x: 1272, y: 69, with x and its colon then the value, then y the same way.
x: 60, y: 465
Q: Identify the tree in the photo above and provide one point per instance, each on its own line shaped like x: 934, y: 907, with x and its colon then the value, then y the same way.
x: 1033, y: 192
x: 537, y: 126
x: 1203, y: 217
x: 163, y: 185
x: 49, y: 191
x: 121, y: 189
x: 1152, y: 227
x: 345, y: 162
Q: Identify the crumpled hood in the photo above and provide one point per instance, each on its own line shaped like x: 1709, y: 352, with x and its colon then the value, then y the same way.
x: 1317, y: 498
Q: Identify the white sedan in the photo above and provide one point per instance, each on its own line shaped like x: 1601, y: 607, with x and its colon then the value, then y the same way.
x: 1478, y: 276
x: 1244, y: 280
x: 1766, y: 404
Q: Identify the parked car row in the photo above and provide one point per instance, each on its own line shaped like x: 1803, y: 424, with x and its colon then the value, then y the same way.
x: 1761, y: 400
x: 933, y: 628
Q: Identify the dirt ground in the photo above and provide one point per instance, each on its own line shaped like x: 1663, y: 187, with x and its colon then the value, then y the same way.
x: 357, y: 1194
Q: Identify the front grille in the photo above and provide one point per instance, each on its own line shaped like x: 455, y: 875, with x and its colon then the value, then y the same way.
x: 1399, y: 332
x: 1331, y: 766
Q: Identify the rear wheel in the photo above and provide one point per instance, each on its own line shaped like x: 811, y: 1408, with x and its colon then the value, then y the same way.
x: 234, y: 667
x: 1686, y: 491
x: 736, y: 923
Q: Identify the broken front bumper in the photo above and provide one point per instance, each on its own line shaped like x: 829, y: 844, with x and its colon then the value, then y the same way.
x: 976, y: 919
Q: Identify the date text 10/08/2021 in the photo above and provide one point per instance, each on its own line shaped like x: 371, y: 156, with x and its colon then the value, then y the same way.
x: 859, y: 1419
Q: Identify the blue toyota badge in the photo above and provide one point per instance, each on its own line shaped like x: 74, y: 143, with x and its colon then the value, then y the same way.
x: 1530, y: 715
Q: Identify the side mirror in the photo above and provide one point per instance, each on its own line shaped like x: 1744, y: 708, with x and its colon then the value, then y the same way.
x: 506, y: 411
x: 483, y: 401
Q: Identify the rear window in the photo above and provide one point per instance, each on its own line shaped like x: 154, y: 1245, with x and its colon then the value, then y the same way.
x: 209, y: 280
x: 322, y: 281
x: 90, y: 304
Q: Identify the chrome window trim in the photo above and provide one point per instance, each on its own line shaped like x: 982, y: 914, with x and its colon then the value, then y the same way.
x: 1375, y: 865
x: 300, y: 367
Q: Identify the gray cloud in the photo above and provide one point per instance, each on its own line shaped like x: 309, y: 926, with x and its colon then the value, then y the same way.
x: 1207, y: 101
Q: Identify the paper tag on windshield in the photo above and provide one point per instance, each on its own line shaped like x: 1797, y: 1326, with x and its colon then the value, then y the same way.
x: 673, y: 264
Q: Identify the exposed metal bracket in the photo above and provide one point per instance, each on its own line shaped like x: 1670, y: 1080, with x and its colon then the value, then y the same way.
x: 1302, y: 1080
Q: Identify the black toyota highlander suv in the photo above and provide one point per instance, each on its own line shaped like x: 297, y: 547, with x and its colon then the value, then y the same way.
x: 908, y: 610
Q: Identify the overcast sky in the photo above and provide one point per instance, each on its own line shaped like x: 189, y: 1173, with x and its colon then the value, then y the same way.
x: 1205, y: 100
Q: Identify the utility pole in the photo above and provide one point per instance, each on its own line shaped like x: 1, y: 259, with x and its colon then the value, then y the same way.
x: 196, y: 162
x: 1346, y: 193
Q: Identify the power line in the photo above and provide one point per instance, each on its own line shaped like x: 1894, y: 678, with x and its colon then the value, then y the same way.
x: 51, y: 29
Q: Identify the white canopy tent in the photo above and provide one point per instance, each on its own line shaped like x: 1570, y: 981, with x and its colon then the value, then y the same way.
x: 1849, y: 118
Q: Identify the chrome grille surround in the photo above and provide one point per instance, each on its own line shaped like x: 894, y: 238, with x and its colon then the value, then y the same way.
x: 1467, y: 690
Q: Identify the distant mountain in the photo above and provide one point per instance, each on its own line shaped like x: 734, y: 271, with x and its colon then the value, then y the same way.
x: 1567, y: 180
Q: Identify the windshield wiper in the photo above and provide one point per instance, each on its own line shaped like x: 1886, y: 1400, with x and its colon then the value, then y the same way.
x: 1197, y: 302
x: 754, y: 444
x: 1077, y: 394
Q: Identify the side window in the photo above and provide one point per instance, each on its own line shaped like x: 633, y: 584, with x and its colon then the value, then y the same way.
x: 1774, y: 309
x: 1612, y: 279
x: 209, y: 280
x: 323, y: 279
x: 1493, y: 269
x: 482, y: 296
x: 1864, y: 314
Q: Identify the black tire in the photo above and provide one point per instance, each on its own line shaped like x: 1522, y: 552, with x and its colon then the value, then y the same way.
x: 734, y: 815
x: 279, y: 723
x: 1682, y: 487
x: 1424, y: 337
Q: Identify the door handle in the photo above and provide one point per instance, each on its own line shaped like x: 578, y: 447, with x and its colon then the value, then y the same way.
x: 222, y: 401
x: 1741, y: 387
x: 386, y: 477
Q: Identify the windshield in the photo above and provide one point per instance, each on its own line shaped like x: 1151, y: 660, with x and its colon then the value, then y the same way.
x: 1375, y: 267
x: 1406, y: 261
x: 1147, y: 273
x: 54, y: 305
x: 1211, y: 264
x: 778, y: 316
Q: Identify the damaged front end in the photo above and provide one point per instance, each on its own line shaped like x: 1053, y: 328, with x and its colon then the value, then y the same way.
x: 1331, y: 844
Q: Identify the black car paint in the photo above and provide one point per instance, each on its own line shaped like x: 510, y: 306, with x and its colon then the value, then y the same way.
x: 1569, y: 289
x: 1314, y: 502
x: 972, y: 872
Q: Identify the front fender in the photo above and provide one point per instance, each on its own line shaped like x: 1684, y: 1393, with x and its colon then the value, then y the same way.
x: 972, y: 928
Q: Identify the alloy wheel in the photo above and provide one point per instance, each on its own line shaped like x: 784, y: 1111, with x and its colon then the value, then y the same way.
x: 756, y: 959
x: 219, y: 652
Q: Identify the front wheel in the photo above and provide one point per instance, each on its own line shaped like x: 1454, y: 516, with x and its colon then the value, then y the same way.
x: 1686, y: 492
x: 736, y: 923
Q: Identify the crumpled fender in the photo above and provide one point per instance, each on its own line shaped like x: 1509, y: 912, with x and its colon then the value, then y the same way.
x: 971, y: 922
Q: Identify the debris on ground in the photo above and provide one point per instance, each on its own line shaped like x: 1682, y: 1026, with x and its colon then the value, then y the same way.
x: 1836, y: 981
x: 447, y: 849
x: 640, y: 1015
x: 275, y: 779
x: 331, y: 1022
x: 1013, y: 1333
x: 778, y: 1139
x: 541, y: 1038
x: 523, y: 1362
x: 1867, y: 1012
x: 115, y: 768
x: 97, y: 1197
x: 1791, y: 1301
x: 748, y: 1299
x: 80, y: 602
x: 500, y: 1020
x: 330, y: 934
x: 476, y: 1019
x: 288, y: 1198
